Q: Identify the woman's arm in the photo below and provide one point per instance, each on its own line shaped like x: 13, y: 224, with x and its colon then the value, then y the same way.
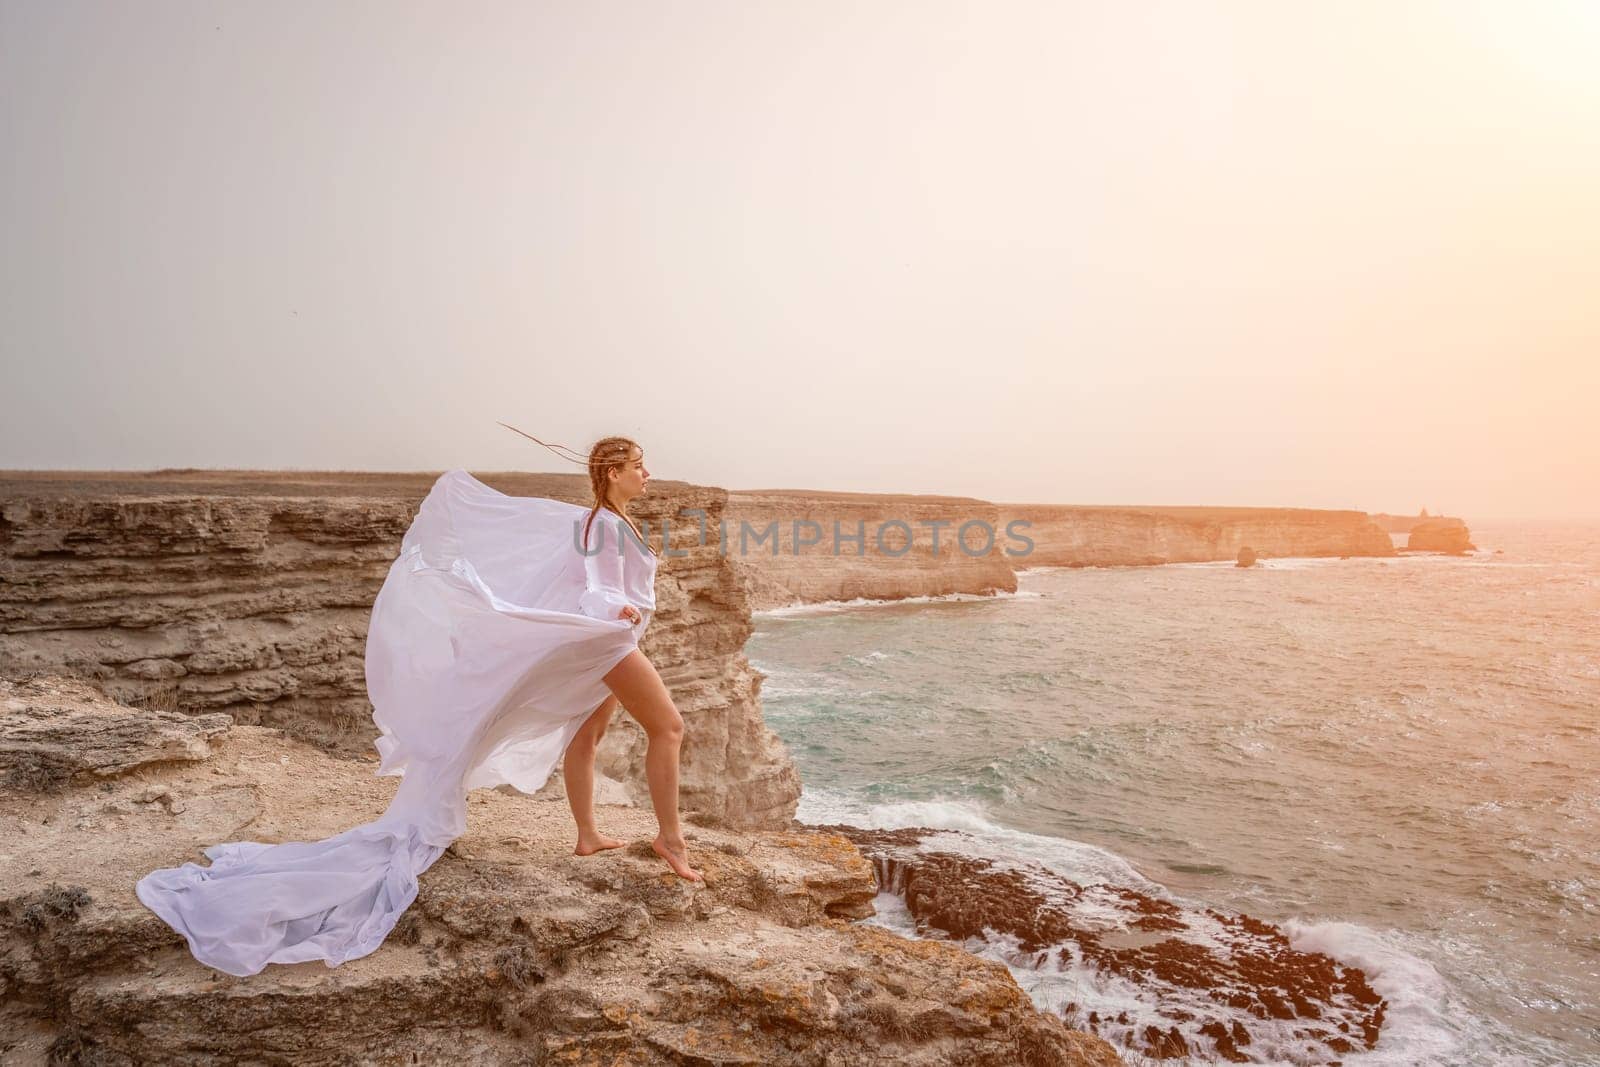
x: 603, y: 597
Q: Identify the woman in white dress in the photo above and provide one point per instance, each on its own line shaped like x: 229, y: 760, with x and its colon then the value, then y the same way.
x: 505, y: 633
x: 634, y: 680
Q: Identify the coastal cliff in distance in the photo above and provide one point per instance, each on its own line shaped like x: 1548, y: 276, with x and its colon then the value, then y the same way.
x: 894, y: 557
x: 1429, y: 533
x: 876, y: 546
x: 1068, y: 535
x: 249, y: 592
x: 1406, y: 523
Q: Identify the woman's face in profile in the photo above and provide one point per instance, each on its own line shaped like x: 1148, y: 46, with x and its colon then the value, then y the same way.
x: 633, y: 477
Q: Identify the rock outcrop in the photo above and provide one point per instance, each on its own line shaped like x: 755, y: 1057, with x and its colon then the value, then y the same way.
x: 1109, y: 536
x: 1207, y: 981
x: 46, y: 745
x: 249, y: 593
x: 1440, y: 535
x: 516, y: 951
x: 797, y: 546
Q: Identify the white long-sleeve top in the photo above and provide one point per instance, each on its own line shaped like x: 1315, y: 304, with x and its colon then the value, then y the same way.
x: 618, y: 570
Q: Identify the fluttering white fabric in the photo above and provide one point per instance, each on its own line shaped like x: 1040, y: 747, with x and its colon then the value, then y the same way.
x: 485, y: 653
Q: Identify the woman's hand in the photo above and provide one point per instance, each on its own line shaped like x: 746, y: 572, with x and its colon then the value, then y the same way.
x: 630, y: 613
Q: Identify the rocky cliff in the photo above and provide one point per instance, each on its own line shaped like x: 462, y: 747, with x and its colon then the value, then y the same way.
x: 1108, y: 536
x: 248, y: 593
x: 800, y: 546
x: 516, y: 951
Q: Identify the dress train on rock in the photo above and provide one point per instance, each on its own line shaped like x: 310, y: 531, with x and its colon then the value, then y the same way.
x: 486, y: 651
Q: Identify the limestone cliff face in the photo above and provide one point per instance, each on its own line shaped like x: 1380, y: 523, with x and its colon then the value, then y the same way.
x: 249, y: 593
x: 1085, y: 536
x: 868, y: 545
x: 516, y: 951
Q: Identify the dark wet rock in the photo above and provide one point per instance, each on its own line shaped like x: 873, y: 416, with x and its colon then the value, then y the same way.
x: 1241, y: 964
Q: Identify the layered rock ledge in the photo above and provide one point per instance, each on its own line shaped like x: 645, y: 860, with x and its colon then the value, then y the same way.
x: 516, y: 951
x: 248, y: 592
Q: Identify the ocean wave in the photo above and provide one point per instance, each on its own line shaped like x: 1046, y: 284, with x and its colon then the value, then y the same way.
x: 979, y: 836
x: 1419, y: 1025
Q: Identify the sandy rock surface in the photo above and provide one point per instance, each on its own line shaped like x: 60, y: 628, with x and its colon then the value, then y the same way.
x: 516, y: 950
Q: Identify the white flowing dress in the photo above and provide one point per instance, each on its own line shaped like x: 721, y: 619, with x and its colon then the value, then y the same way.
x: 485, y: 654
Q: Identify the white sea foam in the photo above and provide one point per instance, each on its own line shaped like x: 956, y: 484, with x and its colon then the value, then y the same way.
x: 1276, y: 563
x: 1303, y: 563
x: 891, y: 913
x: 1424, y: 1022
x: 1421, y: 1024
x: 978, y: 836
x: 828, y: 607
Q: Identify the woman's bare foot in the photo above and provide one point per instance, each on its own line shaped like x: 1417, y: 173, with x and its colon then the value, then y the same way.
x: 589, y: 844
x: 677, y: 855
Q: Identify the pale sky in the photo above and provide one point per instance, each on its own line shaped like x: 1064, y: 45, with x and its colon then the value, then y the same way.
x: 1341, y: 254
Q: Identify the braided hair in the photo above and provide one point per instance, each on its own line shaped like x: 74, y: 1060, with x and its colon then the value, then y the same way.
x: 605, y: 456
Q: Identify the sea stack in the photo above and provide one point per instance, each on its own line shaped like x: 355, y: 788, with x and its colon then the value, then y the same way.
x: 1441, y: 535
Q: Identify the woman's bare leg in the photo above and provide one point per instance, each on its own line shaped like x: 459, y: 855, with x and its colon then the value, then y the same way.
x: 635, y: 682
x: 577, y: 767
